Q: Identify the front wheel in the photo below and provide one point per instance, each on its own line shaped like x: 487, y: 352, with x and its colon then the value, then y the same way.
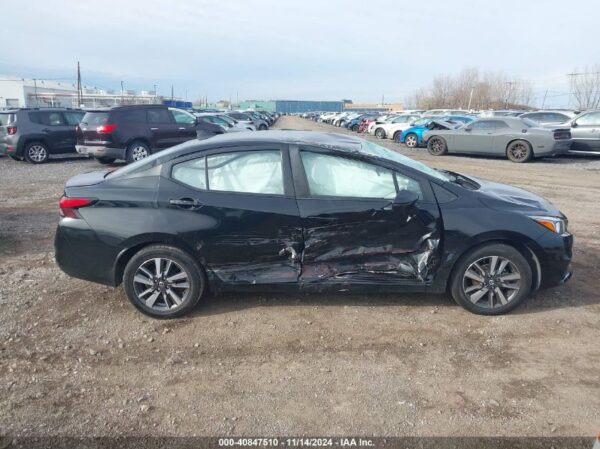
x: 380, y: 133
x: 437, y: 146
x: 354, y: 128
x: 36, y: 153
x: 411, y: 140
x: 491, y: 279
x: 163, y: 281
x: 519, y: 151
x: 262, y: 127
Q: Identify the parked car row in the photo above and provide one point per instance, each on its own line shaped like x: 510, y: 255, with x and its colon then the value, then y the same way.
x: 517, y: 135
x: 127, y: 133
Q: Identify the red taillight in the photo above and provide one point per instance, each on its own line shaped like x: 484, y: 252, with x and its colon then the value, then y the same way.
x: 11, y: 130
x: 105, y: 129
x: 68, y: 206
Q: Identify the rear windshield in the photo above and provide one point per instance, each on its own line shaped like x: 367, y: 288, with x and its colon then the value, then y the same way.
x: 95, y: 118
x: 4, y: 119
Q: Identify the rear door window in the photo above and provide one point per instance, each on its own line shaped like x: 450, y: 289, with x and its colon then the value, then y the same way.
x: 132, y: 116
x: 159, y: 116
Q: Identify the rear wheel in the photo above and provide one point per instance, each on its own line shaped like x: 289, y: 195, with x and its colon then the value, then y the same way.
x: 355, y: 128
x: 380, y: 133
x: 519, y: 151
x: 411, y: 140
x: 36, y: 153
x: 137, y: 150
x: 105, y: 160
x: 262, y: 127
x: 437, y: 146
x: 163, y: 281
x: 491, y: 279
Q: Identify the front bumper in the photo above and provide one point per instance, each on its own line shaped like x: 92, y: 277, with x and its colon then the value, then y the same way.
x: 100, y: 151
x: 555, y: 258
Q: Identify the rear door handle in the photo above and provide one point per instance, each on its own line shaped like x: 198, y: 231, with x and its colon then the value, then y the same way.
x: 186, y: 203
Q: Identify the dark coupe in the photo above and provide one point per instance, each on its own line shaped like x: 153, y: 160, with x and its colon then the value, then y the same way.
x: 298, y: 210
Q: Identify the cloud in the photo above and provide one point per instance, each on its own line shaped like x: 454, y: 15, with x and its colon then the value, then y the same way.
x: 294, y: 48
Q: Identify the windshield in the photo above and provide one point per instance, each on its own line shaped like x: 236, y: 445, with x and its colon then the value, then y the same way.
x: 95, y: 118
x: 3, y: 119
x: 376, y: 150
x: 227, y: 119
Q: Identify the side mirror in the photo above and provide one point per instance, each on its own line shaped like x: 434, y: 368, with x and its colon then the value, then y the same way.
x: 405, y: 198
x: 467, y: 129
x: 574, y: 125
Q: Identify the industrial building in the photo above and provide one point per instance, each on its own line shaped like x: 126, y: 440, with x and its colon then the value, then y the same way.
x: 292, y: 106
x: 33, y: 93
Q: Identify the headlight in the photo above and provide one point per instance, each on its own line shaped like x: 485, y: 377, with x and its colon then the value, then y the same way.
x: 555, y: 224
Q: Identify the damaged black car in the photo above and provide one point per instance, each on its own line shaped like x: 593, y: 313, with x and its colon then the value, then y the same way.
x: 305, y: 211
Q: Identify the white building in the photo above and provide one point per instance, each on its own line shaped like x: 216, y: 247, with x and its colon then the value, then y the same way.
x: 31, y: 93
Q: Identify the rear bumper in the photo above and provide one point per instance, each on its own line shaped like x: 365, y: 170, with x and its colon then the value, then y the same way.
x: 100, y: 151
x: 80, y: 254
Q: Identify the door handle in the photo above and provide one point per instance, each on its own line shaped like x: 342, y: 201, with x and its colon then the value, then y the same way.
x: 186, y: 203
x: 153, y: 129
x: 182, y: 128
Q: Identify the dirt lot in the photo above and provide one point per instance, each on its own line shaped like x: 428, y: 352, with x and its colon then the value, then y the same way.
x: 76, y: 358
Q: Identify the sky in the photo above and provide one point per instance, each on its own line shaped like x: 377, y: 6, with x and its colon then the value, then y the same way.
x: 298, y: 49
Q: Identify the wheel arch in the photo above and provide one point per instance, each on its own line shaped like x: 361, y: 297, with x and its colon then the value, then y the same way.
x: 514, y: 139
x: 29, y: 140
x: 144, y: 241
x: 524, y: 245
x: 142, y: 139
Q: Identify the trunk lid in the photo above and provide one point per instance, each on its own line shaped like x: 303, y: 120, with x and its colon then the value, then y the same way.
x: 87, y: 179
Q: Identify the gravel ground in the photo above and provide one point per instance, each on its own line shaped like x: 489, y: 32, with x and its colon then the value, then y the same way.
x: 77, y: 360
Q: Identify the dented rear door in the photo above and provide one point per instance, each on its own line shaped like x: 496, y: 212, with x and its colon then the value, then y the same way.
x: 358, y: 238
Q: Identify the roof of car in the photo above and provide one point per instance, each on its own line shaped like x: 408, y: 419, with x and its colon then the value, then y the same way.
x: 287, y: 136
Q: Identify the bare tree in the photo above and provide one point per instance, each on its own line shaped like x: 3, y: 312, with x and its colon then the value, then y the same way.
x: 470, y: 88
x: 585, y: 87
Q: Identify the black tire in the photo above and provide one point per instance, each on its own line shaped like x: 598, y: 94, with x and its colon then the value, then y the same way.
x: 262, y: 127
x: 164, y: 306
x: 462, y: 283
x: 355, y: 128
x: 105, y: 160
x: 36, y: 152
x: 437, y: 146
x: 380, y: 133
x: 411, y: 140
x: 519, y: 151
x: 137, y: 150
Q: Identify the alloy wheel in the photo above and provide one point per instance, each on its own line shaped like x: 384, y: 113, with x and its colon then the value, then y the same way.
x: 491, y: 282
x: 161, y: 284
x: 139, y: 152
x: 37, y: 153
x: 437, y: 146
x: 519, y: 151
x: 411, y: 141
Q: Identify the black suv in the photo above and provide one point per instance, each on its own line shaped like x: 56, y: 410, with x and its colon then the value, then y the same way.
x: 36, y: 134
x: 132, y: 133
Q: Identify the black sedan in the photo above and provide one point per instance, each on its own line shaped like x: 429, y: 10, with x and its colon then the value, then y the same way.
x: 305, y: 211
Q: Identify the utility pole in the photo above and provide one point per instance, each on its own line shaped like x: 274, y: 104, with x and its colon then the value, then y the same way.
x: 470, y: 98
x: 171, y: 93
x: 78, y: 85
x: 155, y: 94
x: 572, y: 84
x: 122, y: 92
x: 35, y: 92
x: 544, y: 102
